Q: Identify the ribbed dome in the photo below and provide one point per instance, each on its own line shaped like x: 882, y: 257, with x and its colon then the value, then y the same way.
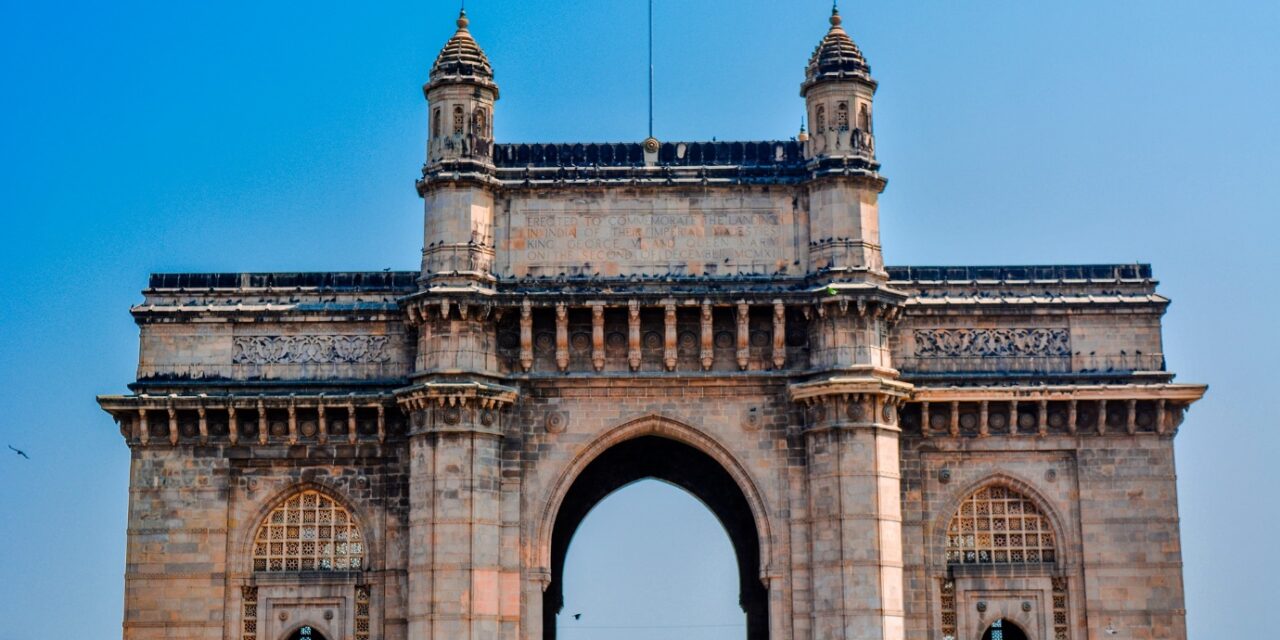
x: 836, y: 57
x: 462, y: 58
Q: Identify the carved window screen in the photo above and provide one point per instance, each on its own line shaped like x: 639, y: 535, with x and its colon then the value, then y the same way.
x: 997, y: 525
x: 249, y: 613
x: 1061, y: 621
x: 820, y: 119
x: 362, y: 613
x: 308, y: 532
x: 949, y: 609
x: 842, y: 116
x: 457, y: 121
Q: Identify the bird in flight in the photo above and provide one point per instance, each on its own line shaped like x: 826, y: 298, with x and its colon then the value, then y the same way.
x: 19, y: 452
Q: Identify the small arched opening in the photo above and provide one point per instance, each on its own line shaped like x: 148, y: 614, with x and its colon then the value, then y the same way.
x: 1004, y: 630
x: 306, y: 632
x: 676, y: 463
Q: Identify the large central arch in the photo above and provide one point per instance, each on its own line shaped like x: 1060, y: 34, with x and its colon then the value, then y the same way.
x: 662, y: 458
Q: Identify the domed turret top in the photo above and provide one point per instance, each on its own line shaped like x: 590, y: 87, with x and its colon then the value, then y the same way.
x: 462, y: 59
x: 836, y: 57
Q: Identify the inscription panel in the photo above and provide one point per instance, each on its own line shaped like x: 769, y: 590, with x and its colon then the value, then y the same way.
x: 694, y: 236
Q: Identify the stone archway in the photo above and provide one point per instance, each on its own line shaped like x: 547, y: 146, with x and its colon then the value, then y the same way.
x: 682, y: 465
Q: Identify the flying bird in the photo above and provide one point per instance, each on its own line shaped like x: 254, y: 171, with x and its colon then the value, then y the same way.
x: 19, y: 452
x: 577, y: 616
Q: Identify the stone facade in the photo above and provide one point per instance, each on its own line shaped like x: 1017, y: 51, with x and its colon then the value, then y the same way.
x: 896, y: 452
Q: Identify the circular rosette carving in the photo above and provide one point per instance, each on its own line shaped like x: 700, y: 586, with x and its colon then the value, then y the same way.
x: 889, y: 413
x: 557, y: 422
x: 452, y: 416
x: 652, y: 341
x: 856, y: 411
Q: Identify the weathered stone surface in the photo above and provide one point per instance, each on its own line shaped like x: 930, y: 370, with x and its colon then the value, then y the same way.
x: 881, y: 444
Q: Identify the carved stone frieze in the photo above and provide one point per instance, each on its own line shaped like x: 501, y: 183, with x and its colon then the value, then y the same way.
x: 992, y: 343
x: 325, y: 349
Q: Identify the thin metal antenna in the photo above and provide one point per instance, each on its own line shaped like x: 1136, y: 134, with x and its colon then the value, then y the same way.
x: 650, y: 68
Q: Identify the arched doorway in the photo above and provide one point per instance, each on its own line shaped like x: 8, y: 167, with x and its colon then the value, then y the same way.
x: 306, y: 632
x: 1004, y: 630
x: 685, y: 467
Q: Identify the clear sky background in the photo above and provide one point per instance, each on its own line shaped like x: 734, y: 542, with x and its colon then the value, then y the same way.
x: 233, y: 136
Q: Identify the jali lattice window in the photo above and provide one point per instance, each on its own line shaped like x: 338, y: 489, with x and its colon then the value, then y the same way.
x: 949, y: 609
x: 249, y: 617
x: 308, y: 532
x: 362, y: 612
x: 997, y: 525
x: 1061, y: 624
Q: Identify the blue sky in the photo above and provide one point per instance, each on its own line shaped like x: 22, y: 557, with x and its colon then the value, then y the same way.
x: 202, y: 136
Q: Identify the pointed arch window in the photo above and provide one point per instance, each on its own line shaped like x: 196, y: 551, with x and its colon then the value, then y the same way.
x: 864, y: 117
x: 842, y: 116
x: 820, y: 119
x: 997, y: 525
x: 458, y: 121
x: 480, y: 123
x: 308, y: 531
x: 435, y: 123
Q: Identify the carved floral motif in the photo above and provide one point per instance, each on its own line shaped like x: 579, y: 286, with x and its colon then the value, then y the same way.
x: 310, y: 349
x: 992, y: 343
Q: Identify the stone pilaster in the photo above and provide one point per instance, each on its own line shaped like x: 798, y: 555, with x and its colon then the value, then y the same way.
x: 458, y: 588
x: 851, y: 446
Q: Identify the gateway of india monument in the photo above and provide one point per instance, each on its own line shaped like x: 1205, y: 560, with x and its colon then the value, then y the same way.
x: 896, y: 453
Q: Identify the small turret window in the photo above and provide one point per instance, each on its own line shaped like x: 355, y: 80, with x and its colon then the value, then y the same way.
x: 480, y: 123
x: 457, y: 121
x: 842, y: 116
x: 435, y: 123
x: 864, y: 117
x: 820, y: 119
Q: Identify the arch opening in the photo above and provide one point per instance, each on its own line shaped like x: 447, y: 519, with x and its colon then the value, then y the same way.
x: 678, y: 464
x: 306, y: 632
x: 1004, y: 630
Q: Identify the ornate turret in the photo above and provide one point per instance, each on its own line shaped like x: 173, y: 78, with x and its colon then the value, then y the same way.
x: 837, y: 57
x: 462, y: 60
x: 460, y: 95
x: 838, y: 91
x: 844, y: 218
x: 456, y: 179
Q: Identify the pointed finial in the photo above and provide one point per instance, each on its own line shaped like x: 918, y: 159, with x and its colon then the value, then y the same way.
x: 462, y: 19
x: 835, y: 13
